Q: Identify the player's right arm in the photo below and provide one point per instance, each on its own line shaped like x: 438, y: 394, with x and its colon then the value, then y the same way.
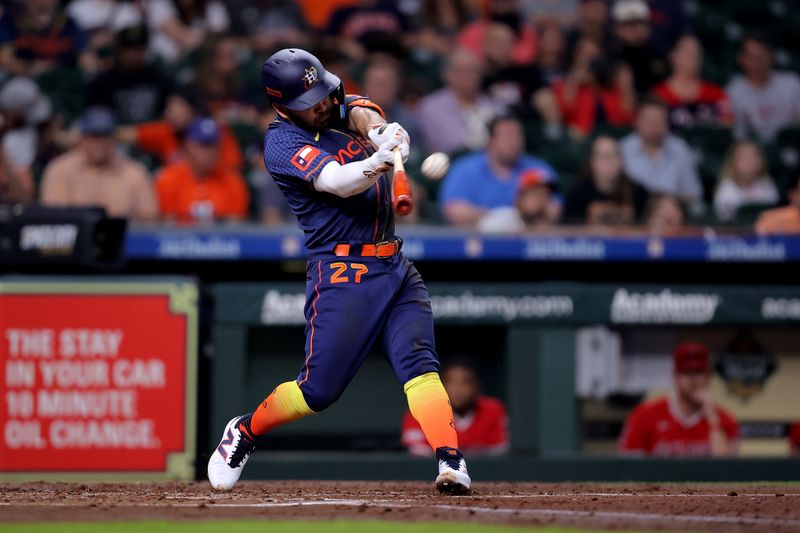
x: 358, y: 176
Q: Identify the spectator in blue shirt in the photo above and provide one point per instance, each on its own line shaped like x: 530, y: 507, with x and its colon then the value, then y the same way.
x: 488, y: 179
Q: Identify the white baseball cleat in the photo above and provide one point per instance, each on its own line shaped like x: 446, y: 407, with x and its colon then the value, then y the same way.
x: 226, y: 463
x: 453, y: 477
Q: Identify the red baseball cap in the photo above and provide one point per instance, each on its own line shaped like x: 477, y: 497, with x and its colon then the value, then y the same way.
x: 531, y: 178
x: 692, y: 358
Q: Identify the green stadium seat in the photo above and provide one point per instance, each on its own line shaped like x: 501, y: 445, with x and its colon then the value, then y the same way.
x: 710, y: 145
x: 66, y: 89
x: 783, y: 156
x: 566, y: 156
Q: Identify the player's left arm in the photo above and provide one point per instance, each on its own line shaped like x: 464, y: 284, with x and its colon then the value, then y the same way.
x: 368, y: 120
x: 362, y: 119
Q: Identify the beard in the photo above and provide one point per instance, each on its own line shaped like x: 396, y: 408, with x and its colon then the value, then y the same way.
x: 319, y: 121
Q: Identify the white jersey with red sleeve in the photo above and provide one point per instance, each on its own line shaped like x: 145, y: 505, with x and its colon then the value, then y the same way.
x: 658, y: 428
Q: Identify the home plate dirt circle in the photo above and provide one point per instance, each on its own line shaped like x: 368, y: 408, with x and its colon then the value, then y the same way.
x: 715, y: 508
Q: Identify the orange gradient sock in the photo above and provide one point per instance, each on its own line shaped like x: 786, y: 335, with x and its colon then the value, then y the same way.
x: 430, y: 406
x: 285, y: 404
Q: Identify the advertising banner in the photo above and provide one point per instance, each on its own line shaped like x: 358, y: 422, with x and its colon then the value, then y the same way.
x: 97, y: 378
x: 561, y: 303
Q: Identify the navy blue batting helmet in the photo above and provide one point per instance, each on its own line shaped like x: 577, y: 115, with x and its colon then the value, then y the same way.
x: 296, y: 79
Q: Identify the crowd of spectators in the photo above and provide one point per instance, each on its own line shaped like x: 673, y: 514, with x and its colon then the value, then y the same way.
x: 589, y: 112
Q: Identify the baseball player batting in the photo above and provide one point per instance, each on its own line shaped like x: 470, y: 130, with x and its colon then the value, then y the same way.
x: 330, y: 155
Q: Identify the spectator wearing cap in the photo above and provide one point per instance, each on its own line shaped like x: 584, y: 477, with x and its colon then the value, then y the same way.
x: 605, y: 196
x: 659, y: 161
x: 162, y: 138
x: 534, y: 208
x: 489, y: 179
x: 24, y: 110
x: 94, y: 173
x: 133, y: 88
x: 632, y: 44
x: 198, y: 188
x: 686, y: 422
x: 454, y: 117
x: 764, y: 100
x: 37, y: 36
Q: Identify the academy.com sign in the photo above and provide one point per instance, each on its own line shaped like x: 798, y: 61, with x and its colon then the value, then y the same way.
x: 280, y: 308
x: 665, y: 307
x: 508, y: 308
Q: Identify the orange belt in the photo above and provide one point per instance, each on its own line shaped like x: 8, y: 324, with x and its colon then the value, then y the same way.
x: 380, y: 250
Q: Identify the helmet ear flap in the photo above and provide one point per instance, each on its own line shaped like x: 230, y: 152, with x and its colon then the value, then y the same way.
x: 338, y: 98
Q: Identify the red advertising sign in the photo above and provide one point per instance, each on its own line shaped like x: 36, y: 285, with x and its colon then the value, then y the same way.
x: 94, y: 381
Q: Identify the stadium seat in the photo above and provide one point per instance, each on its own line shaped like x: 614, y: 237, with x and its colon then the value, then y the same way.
x: 66, y: 88
x: 710, y: 145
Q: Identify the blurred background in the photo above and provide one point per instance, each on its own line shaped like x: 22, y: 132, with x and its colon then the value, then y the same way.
x: 612, y: 252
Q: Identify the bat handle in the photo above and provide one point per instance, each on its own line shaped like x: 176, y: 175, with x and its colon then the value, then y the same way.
x: 398, y: 160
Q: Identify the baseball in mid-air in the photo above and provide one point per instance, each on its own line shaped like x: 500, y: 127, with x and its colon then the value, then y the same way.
x: 435, y: 166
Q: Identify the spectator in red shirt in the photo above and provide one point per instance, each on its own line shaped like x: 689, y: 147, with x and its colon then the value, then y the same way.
x: 198, y: 188
x: 594, y: 87
x: 692, y: 101
x: 481, y: 421
x: 686, y: 422
x: 162, y: 138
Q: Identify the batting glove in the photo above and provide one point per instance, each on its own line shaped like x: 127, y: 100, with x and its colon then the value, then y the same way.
x: 383, y: 159
x: 383, y: 132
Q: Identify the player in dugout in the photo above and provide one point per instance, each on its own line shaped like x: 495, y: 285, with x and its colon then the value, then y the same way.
x: 685, y: 422
x: 481, y: 421
x: 331, y: 154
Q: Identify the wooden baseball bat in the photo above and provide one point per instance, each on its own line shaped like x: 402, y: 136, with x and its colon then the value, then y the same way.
x: 402, y: 200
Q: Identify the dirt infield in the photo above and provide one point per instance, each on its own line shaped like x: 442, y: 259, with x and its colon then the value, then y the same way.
x: 715, y: 508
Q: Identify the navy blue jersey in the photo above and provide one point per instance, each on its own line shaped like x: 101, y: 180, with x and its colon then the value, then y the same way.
x: 294, y: 157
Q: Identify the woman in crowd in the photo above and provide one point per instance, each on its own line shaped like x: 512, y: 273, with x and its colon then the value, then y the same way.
x: 744, y: 180
x: 594, y: 88
x: 218, y: 82
x: 605, y: 196
x: 692, y: 101
x: 664, y: 215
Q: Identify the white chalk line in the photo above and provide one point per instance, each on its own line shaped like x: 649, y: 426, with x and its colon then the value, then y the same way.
x: 547, y: 513
x: 548, y: 495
